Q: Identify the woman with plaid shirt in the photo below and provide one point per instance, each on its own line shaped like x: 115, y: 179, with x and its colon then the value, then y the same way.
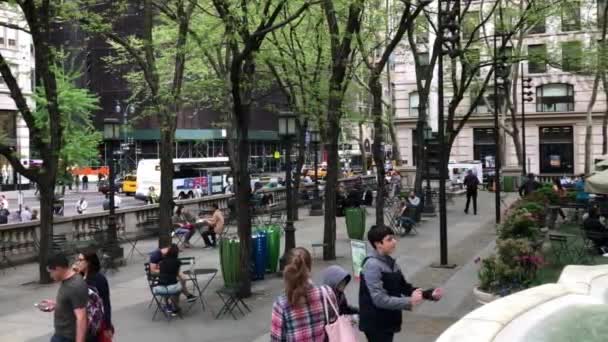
x: 298, y: 315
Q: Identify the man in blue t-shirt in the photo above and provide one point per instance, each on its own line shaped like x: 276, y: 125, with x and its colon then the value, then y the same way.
x: 155, y: 259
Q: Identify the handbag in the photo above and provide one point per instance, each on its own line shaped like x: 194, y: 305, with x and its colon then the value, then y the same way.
x: 341, y: 330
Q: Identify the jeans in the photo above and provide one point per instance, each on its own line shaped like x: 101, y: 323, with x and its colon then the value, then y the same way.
x: 380, y: 336
x: 471, y: 195
x: 173, y: 289
x: 209, y: 237
x: 186, y: 232
x: 57, y: 338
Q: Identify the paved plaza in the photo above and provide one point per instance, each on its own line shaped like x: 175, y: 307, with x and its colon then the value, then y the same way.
x: 469, y: 237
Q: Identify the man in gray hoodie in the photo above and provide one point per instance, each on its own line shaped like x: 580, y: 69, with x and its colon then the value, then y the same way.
x: 384, y: 292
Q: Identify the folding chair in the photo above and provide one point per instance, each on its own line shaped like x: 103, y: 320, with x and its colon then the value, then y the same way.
x: 180, y: 236
x: 559, y: 247
x: 231, y: 299
x: 158, y: 299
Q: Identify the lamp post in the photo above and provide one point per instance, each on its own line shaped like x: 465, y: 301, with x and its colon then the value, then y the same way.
x: 287, y: 131
x: 526, y: 96
x: 429, y: 208
x: 500, y: 72
x: 111, y: 133
x: 316, y: 208
x: 129, y: 109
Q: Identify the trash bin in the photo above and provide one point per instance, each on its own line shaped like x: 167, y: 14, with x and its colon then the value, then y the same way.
x: 258, y: 255
x: 355, y: 223
x: 273, y: 244
x: 508, y: 183
x: 230, y: 254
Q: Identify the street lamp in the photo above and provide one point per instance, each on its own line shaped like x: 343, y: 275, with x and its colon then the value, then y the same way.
x: 429, y: 208
x: 129, y: 109
x: 526, y: 96
x: 111, y: 133
x: 316, y: 208
x: 287, y: 131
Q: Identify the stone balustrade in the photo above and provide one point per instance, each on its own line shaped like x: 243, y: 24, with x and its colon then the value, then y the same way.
x: 20, y: 241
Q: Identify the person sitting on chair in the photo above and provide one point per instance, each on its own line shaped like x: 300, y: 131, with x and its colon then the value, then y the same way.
x: 215, y: 226
x: 404, y: 217
x: 599, y: 234
x: 413, y: 200
x: 183, y: 223
x: 155, y: 259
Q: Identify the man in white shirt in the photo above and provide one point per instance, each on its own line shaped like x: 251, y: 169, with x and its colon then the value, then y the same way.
x: 26, y: 214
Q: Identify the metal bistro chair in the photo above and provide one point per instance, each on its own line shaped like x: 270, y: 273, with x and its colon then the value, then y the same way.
x: 161, y: 301
x: 193, y: 273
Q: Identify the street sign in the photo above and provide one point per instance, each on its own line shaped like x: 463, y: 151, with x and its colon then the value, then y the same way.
x: 277, y: 155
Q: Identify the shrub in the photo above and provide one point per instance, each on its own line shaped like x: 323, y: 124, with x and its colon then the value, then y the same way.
x: 520, y: 225
x: 544, y: 195
x: 512, y: 269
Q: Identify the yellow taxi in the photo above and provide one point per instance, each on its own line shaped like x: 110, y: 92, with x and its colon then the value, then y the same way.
x: 129, y: 185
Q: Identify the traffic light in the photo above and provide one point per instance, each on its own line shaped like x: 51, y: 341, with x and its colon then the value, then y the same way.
x: 526, y: 93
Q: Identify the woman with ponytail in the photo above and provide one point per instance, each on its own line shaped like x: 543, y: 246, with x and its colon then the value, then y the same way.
x: 298, y: 315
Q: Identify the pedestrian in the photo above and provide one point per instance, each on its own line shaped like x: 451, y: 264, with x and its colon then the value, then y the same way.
x: 383, y: 290
x: 299, y: 315
x: 529, y: 186
x: 34, y: 215
x: 85, y: 182
x: 337, y: 278
x: 88, y: 265
x: 81, y: 205
x: 471, y: 182
x: 4, y: 210
x: 117, y: 201
x: 215, y: 226
x: 152, y: 196
x: 70, y: 306
x: 559, y: 190
x: 581, y: 195
x: 4, y: 201
x: 26, y: 214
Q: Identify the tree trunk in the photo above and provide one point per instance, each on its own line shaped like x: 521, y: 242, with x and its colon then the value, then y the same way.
x: 362, y: 148
x: 165, y: 206
x: 589, y: 124
x: 298, y: 174
x: 376, y: 90
x: 47, y: 195
x: 395, y: 142
x: 331, y: 181
x: 420, y: 158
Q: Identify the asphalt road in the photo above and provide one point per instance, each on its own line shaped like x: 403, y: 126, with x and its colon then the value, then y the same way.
x: 93, y: 197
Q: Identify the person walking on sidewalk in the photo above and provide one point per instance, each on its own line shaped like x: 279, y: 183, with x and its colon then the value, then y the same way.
x: 298, y: 315
x: 383, y: 291
x: 81, y: 205
x: 70, y: 307
x: 471, y: 182
x: 85, y: 182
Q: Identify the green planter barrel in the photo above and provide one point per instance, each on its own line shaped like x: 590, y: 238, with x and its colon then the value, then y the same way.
x: 355, y: 223
x: 230, y: 254
x: 508, y: 183
x: 273, y: 241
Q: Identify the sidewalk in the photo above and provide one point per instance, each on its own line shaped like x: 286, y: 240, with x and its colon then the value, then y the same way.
x: 468, y: 237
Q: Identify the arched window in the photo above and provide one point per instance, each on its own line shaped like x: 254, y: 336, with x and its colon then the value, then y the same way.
x: 555, y: 97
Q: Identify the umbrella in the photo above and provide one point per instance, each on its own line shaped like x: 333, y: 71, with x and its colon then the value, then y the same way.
x: 597, y: 183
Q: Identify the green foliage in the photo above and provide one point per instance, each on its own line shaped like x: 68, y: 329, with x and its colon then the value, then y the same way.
x: 544, y: 195
x: 80, y: 139
x: 520, y: 225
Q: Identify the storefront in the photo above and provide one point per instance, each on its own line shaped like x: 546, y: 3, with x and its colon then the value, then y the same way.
x: 556, y: 150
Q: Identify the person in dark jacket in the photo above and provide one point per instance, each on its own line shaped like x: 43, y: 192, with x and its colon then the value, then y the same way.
x: 88, y: 265
x: 337, y: 278
x: 384, y: 292
x: 596, y: 231
x: 529, y: 186
x: 471, y: 182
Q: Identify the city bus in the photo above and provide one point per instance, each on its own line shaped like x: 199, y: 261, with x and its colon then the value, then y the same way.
x: 191, y: 177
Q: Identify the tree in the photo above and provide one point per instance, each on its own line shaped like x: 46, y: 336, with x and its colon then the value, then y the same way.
x: 161, y: 91
x: 341, y: 42
x: 246, y: 25
x: 40, y: 16
x: 376, y: 61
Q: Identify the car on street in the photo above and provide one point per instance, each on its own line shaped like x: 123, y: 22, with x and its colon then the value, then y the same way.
x: 104, y: 186
x: 129, y: 185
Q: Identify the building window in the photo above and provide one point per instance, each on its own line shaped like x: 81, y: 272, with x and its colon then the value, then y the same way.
x: 537, y: 59
x: 571, y: 16
x: 485, y: 105
x: 11, y: 37
x: 12, y: 43
x: 472, y: 58
x: 414, y: 103
x: 471, y: 22
x: 557, y: 97
x: 572, y: 56
x: 556, y: 150
x: 484, y: 147
x: 537, y: 25
x: 424, y: 68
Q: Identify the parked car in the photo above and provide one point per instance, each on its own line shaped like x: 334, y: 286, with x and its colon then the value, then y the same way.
x: 104, y: 186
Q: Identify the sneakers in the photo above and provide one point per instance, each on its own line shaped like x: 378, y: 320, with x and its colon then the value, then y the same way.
x: 191, y: 298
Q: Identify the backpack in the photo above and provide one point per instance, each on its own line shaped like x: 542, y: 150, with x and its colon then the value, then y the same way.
x: 94, y: 312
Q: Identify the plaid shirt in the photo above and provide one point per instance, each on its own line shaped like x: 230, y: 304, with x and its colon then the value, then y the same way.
x: 305, y: 323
